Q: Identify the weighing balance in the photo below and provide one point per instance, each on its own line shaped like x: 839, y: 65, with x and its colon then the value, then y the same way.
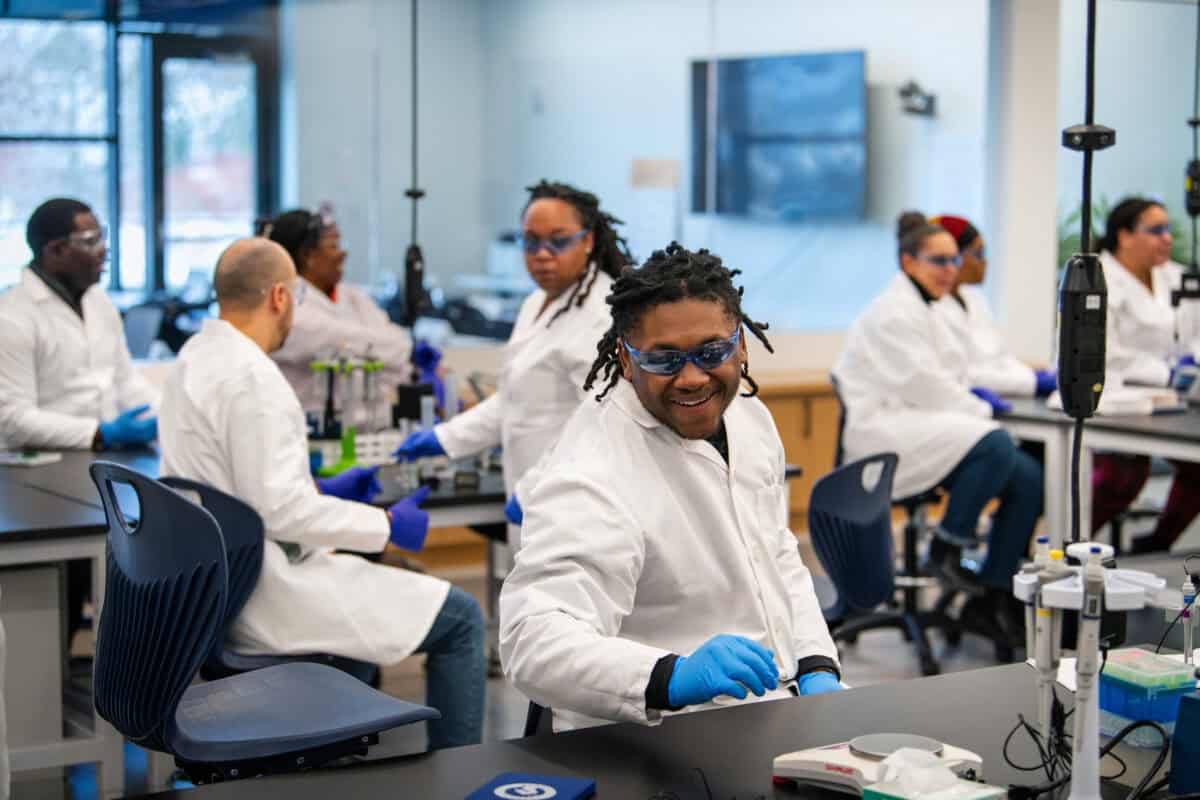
x: 850, y: 766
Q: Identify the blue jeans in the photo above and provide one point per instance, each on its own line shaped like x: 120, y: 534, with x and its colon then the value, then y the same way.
x: 457, y: 675
x: 996, y: 467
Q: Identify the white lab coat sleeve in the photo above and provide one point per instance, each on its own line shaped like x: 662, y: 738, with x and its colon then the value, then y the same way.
x: 561, y: 608
x: 473, y: 431
x: 904, y: 358
x: 22, y: 423
x: 1006, y: 375
x: 582, y: 354
x: 270, y: 471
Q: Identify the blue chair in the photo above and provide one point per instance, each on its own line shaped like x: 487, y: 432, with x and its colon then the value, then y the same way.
x: 165, y: 605
x: 242, y: 528
x: 850, y: 522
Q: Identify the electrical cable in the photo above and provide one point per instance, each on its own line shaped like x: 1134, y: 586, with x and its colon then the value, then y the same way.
x: 1167, y: 632
x: 1076, y: 446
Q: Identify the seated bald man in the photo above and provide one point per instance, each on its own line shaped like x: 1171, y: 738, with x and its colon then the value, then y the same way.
x: 231, y: 420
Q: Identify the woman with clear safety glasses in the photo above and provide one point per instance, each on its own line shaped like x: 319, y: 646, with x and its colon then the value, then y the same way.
x: 1150, y: 344
x: 900, y: 394
x: 985, y: 357
x: 573, y: 253
x: 333, y: 319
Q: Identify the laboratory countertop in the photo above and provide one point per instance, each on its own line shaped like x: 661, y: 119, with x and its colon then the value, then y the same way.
x: 28, y: 513
x: 793, y: 382
x: 733, y: 746
x: 1183, y: 426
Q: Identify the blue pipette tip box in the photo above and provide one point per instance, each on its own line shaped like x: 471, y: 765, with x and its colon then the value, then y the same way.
x: 1139, y: 684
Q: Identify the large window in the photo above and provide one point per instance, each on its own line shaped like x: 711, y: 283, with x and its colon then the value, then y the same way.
x: 167, y: 130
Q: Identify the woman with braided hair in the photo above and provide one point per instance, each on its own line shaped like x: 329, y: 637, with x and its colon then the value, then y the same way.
x: 657, y: 573
x: 573, y: 253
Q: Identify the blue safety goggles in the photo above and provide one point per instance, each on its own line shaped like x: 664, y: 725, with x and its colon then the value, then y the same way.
x: 943, y: 261
x: 557, y: 245
x: 669, y: 362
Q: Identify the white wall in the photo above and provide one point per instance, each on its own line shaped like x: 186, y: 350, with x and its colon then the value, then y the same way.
x: 1144, y: 85
x: 576, y: 90
x: 348, y: 138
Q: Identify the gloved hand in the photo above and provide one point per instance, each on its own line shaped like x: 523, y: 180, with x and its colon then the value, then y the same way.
x: 126, y: 428
x: 1183, y: 374
x: 418, y: 445
x: 999, y: 404
x: 512, y: 511
x: 1047, y: 381
x: 426, y: 358
x: 725, y: 664
x: 359, y: 484
x: 818, y: 682
x: 410, y: 524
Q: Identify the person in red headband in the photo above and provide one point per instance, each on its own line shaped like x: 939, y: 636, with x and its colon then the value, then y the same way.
x: 989, y: 363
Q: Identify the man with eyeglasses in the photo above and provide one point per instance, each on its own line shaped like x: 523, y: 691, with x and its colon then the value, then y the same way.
x: 231, y: 420
x: 66, y: 378
x: 657, y: 572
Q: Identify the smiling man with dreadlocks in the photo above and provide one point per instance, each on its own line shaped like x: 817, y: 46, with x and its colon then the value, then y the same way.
x: 657, y: 571
x: 573, y: 253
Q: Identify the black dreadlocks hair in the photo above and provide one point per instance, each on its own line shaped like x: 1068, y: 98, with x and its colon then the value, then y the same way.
x: 666, y: 277
x: 610, y: 251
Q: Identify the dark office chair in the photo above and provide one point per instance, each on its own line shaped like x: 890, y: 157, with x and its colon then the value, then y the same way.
x: 850, y: 522
x: 142, y: 324
x: 910, y: 579
x: 242, y: 529
x: 164, y: 607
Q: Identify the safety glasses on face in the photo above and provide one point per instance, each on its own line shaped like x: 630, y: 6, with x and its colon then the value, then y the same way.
x: 1161, y: 229
x: 91, y: 241
x: 943, y: 261
x: 557, y: 245
x: 976, y: 253
x: 709, y: 355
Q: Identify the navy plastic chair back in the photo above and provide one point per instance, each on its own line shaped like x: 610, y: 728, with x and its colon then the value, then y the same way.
x: 850, y: 523
x: 164, y: 603
x: 242, y: 529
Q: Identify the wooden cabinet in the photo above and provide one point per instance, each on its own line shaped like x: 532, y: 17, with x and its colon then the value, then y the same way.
x: 806, y: 413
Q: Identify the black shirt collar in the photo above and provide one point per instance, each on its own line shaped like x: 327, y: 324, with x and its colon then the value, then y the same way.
x: 926, y: 296
x: 60, y: 289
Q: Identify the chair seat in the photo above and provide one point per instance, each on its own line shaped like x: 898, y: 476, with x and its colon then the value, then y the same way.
x: 279, y: 710
x: 227, y: 663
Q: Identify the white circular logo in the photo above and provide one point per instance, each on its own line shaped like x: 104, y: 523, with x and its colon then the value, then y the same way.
x: 526, y: 791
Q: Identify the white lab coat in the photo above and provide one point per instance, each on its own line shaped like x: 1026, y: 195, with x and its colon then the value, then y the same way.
x: 1141, y: 323
x: 539, y: 386
x: 974, y: 332
x: 324, y: 329
x: 230, y: 420
x: 905, y: 390
x: 638, y: 544
x: 60, y: 376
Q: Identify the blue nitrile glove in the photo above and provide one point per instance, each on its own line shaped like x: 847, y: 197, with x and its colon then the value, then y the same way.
x: 409, y: 523
x: 426, y: 358
x: 126, y: 428
x: 359, y: 484
x: 512, y: 511
x: 418, y: 445
x: 725, y: 664
x: 818, y: 682
x: 1182, y: 379
x: 999, y: 404
x: 1047, y: 381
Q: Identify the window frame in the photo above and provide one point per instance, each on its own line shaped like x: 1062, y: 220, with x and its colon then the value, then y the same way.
x: 169, y: 41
